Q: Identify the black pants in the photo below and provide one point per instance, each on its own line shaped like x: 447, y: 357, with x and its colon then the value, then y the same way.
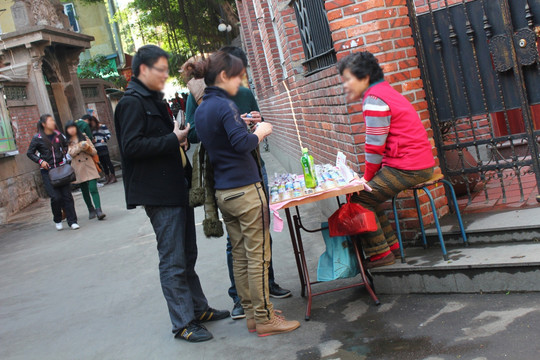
x: 177, y: 247
x: 61, y: 198
x: 105, y: 161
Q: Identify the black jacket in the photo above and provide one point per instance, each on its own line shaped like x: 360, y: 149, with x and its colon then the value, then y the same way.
x: 151, y: 161
x: 52, y: 152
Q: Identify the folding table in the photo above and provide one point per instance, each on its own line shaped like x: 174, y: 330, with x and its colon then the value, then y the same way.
x: 295, y: 226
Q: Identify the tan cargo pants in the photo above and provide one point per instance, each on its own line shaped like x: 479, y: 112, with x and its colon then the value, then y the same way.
x: 247, y: 218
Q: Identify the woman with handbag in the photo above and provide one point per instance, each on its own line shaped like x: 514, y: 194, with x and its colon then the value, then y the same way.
x: 398, y: 152
x: 101, y: 136
x: 81, y: 150
x: 48, y: 149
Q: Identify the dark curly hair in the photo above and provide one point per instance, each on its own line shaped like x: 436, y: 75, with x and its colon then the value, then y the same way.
x: 362, y: 64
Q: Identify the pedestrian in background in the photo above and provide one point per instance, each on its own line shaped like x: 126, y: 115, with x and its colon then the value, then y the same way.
x: 101, y: 136
x: 157, y: 176
x: 84, y: 125
x: 238, y: 187
x: 48, y: 148
x: 81, y: 150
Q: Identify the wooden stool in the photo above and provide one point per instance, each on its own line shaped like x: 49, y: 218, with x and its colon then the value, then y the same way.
x: 437, y: 178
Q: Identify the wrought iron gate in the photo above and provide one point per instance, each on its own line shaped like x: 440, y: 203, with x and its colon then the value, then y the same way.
x: 481, y: 69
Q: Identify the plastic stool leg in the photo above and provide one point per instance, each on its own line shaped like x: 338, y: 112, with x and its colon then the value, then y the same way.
x: 456, y: 207
x: 419, y: 212
x: 439, y: 232
x: 398, y: 231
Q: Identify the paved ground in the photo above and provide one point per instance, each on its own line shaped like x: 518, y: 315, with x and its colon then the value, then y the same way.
x: 94, y: 294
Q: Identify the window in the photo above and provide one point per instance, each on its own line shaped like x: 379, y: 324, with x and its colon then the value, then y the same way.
x: 90, y: 92
x: 7, y: 141
x: 17, y: 93
x: 315, y: 34
x: 69, y: 10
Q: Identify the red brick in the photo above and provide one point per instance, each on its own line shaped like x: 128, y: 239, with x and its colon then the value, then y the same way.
x: 334, y: 4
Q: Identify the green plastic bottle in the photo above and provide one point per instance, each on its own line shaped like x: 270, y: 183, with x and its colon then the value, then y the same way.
x: 309, y: 169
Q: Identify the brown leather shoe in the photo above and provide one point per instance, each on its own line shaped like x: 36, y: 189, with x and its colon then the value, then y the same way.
x: 396, y: 253
x: 278, y: 325
x: 387, y: 260
x: 251, y: 325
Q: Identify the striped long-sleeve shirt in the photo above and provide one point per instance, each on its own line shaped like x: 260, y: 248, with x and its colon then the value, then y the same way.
x: 377, y: 117
x: 100, y: 134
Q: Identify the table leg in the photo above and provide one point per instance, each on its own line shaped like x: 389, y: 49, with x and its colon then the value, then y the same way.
x: 363, y: 273
x: 290, y: 224
x: 304, y: 266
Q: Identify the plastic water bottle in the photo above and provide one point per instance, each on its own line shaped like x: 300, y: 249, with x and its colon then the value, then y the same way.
x: 309, y: 169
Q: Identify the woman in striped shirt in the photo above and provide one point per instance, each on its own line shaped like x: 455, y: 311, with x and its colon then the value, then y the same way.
x: 398, y: 154
x: 101, y: 136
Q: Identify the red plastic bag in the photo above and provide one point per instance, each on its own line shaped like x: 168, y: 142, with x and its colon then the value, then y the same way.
x: 351, y: 219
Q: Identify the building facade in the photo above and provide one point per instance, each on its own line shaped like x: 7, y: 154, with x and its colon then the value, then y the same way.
x: 38, y: 74
x: 293, y: 47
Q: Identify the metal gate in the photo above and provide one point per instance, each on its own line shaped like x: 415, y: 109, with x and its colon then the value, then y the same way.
x: 480, y: 65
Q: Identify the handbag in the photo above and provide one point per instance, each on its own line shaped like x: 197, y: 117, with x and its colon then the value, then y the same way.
x: 62, y: 175
x: 96, y: 162
x: 339, y: 260
x: 351, y: 219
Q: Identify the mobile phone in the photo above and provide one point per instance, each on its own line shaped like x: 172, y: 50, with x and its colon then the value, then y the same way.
x: 181, y: 118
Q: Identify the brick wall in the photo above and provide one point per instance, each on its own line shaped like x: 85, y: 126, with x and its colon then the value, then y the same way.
x: 24, y: 121
x: 20, y: 180
x: 326, y: 122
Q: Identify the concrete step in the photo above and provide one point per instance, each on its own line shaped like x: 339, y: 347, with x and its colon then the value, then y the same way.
x: 488, y: 228
x: 473, y: 269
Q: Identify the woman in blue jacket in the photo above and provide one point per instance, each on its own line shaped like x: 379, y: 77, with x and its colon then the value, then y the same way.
x: 238, y: 183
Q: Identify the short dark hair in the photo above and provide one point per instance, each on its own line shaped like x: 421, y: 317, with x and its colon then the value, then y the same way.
x: 86, y: 117
x: 147, y: 55
x: 362, y: 64
x: 210, y: 68
x: 236, y: 51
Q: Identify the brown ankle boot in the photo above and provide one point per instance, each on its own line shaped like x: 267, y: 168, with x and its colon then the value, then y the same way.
x: 278, y: 325
x: 113, y: 179
x: 251, y: 325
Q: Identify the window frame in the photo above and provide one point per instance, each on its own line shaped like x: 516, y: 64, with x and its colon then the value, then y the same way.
x: 5, y: 125
x: 66, y: 5
x: 315, y: 34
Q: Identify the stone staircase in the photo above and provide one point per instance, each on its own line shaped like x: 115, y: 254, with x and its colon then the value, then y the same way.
x: 503, y: 256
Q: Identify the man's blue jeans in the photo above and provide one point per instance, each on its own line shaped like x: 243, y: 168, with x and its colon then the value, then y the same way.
x: 177, y: 247
x: 271, y: 281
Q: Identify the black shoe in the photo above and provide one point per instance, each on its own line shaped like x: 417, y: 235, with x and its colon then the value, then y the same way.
x: 100, y: 214
x: 92, y: 213
x: 194, y: 332
x: 237, y: 312
x: 277, y: 292
x: 212, y: 315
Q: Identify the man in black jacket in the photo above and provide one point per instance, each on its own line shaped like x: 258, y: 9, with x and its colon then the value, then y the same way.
x: 157, y: 175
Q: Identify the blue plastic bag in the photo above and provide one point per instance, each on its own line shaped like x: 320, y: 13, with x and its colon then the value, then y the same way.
x: 339, y: 260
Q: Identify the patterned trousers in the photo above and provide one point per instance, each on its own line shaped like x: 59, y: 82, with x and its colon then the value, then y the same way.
x: 386, y: 183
